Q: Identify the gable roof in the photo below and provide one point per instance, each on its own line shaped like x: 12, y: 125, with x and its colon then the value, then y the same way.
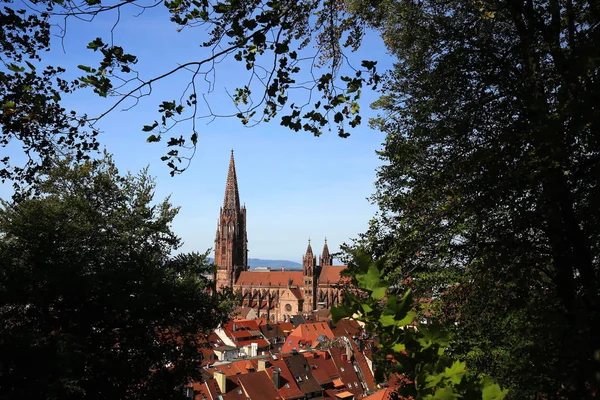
x: 323, y: 368
x: 258, y: 386
x: 306, y: 335
x: 331, y: 274
x: 302, y: 373
x: 288, y: 388
x: 347, y: 373
x: 270, y: 278
x: 347, y: 327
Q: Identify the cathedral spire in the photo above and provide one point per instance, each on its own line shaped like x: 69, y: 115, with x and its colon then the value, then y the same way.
x: 309, y: 248
x: 326, y: 258
x: 232, y: 196
x: 231, y: 249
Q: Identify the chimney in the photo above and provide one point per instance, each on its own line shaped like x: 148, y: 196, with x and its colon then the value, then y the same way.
x: 221, y: 379
x: 276, y: 379
x: 263, y: 364
x: 348, y: 352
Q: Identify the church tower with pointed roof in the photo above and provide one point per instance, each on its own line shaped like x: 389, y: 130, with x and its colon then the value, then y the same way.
x: 325, y: 259
x: 309, y: 264
x: 231, y: 243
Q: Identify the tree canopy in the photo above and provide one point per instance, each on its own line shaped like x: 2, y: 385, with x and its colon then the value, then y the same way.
x: 284, y: 47
x: 488, y: 192
x: 93, y: 303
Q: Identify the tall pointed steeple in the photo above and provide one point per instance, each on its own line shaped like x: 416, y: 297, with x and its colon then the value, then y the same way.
x: 309, y: 265
x: 325, y: 259
x: 309, y: 248
x: 231, y: 201
x: 231, y: 244
x: 309, y: 261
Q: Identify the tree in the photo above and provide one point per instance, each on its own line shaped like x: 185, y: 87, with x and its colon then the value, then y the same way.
x: 416, y: 353
x: 489, y: 188
x: 93, y: 303
x: 280, y: 44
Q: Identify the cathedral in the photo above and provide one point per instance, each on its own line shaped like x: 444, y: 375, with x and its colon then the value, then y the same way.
x: 274, y: 295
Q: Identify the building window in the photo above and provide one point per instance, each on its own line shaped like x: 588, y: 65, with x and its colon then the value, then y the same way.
x: 288, y: 307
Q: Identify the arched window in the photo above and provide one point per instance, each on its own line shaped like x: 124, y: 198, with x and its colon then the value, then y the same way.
x: 288, y: 307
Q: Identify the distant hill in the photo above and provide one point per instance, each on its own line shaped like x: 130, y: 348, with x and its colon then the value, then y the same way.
x: 272, y: 264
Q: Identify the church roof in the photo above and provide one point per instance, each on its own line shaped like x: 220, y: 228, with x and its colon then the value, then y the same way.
x: 297, y: 293
x: 271, y: 278
x: 331, y: 274
x: 232, y: 196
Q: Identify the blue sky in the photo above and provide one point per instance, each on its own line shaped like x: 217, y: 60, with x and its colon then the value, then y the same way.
x: 294, y: 185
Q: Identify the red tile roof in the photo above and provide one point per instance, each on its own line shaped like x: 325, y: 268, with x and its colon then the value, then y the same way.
x: 302, y: 374
x: 323, y: 368
x: 288, y: 388
x: 271, y: 278
x: 347, y: 327
x: 261, y: 343
x: 250, y: 324
x: 306, y: 334
x: 331, y: 274
x: 364, y: 366
x: 286, y: 326
x: 258, y: 386
x: 347, y: 372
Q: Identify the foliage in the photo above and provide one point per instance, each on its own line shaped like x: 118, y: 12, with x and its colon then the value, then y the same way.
x: 418, y: 354
x: 30, y: 99
x: 282, y: 45
x: 93, y: 305
x: 489, y: 191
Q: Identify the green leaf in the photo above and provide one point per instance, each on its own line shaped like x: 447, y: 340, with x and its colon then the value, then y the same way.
x: 338, y: 313
x: 444, y: 393
x: 492, y: 391
x: 387, y: 320
x: 399, y: 347
x: 9, y: 105
x: 368, y: 64
x: 15, y: 68
x: 407, y: 319
x: 379, y: 292
x: 281, y: 48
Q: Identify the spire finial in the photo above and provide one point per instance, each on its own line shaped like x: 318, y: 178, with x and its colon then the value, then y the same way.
x: 325, y: 239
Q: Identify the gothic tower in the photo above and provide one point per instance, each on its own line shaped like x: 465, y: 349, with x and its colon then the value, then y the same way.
x: 325, y: 259
x: 231, y: 243
x: 309, y: 263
